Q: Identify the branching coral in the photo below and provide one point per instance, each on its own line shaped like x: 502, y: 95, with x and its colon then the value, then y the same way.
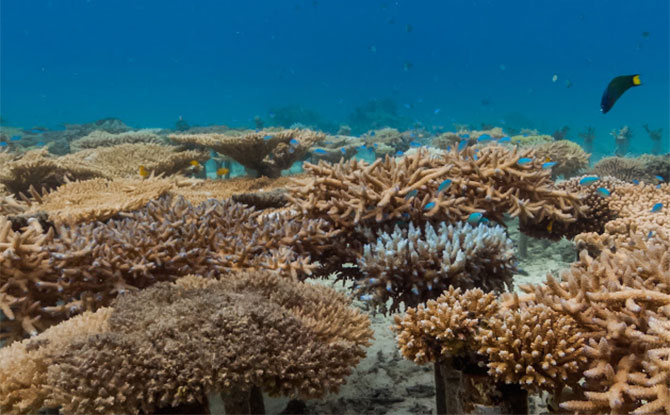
x: 569, y: 157
x: 412, y: 265
x: 175, y: 343
x: 533, y: 346
x: 24, y: 272
x: 266, y: 152
x: 100, y: 138
x: 597, y: 210
x: 632, y: 205
x: 445, y: 326
x: 89, y: 264
x: 494, y: 181
x: 619, y: 302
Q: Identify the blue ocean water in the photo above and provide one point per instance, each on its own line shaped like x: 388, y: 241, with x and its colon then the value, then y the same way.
x: 434, y: 63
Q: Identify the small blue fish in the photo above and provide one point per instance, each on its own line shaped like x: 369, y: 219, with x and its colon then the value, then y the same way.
x: 267, y: 137
x: 588, y: 180
x: 411, y: 194
x: 375, y: 145
x: 484, y: 137
x: 474, y: 157
x: 657, y: 207
x: 462, y: 145
x: 505, y: 139
x: 474, y: 218
x: 484, y: 221
x: 343, y: 150
x: 399, y: 153
x: 412, y: 134
x: 415, y: 290
x: 429, y: 206
x: 372, y: 133
x: 660, y: 178
x: 437, y: 111
x: 443, y: 185
x: 602, y: 192
x: 362, y: 147
x: 466, y: 136
x: 3, y: 144
x: 658, y: 186
x: 320, y: 151
x: 635, y: 181
x: 650, y: 234
x: 366, y: 297
x: 294, y: 142
x: 524, y: 160
x: 548, y: 164
x: 15, y: 138
x: 415, y: 144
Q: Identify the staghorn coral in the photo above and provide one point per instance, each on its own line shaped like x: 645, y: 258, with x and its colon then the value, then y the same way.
x: 597, y: 210
x: 100, y: 138
x: 90, y: 264
x: 569, y: 157
x: 620, y: 303
x: 623, y: 168
x: 412, y: 265
x: 124, y: 160
x: 445, y: 326
x: 533, y: 346
x: 10, y: 206
x: 266, y: 152
x: 24, y: 364
x: 174, y: 343
x: 351, y: 194
x: 24, y: 271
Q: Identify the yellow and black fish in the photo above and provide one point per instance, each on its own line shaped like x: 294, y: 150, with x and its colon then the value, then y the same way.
x: 616, y: 88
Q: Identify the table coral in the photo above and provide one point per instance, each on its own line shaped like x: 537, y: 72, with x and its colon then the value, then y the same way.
x: 266, y: 152
x: 176, y: 343
x: 124, y: 160
x: 100, y: 138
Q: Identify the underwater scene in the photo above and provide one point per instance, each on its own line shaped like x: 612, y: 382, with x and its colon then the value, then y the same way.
x: 334, y: 207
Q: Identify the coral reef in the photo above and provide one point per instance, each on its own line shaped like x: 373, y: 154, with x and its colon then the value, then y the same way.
x: 176, y: 343
x: 266, y: 152
x: 101, y: 138
x: 569, y: 157
x: 85, y: 266
x: 412, y: 265
x: 490, y: 182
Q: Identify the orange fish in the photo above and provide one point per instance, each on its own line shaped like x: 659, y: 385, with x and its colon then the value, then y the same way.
x: 550, y: 226
x: 143, y: 172
x: 222, y: 171
x: 194, y: 163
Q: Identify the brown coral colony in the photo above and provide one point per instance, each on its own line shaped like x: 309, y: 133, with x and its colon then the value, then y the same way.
x: 137, y: 276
